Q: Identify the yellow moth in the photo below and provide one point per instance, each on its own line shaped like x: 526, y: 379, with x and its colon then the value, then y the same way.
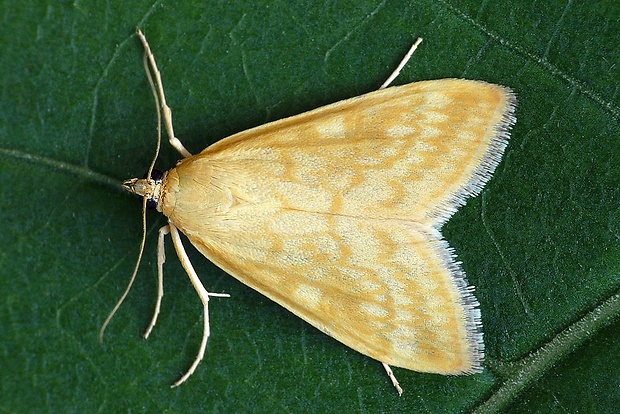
x: 336, y: 213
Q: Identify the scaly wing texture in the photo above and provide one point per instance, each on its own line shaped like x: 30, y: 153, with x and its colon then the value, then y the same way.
x: 335, y: 215
x: 413, y: 152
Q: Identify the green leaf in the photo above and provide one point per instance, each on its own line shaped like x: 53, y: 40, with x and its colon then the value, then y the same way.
x: 541, y: 243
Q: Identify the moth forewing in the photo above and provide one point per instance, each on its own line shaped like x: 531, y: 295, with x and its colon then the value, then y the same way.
x: 336, y: 213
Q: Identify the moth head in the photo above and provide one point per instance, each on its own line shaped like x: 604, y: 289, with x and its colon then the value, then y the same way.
x: 148, y: 187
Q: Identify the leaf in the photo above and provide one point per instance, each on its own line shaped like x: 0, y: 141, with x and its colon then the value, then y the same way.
x: 77, y: 117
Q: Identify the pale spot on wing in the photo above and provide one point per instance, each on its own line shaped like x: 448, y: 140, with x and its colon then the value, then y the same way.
x: 403, y: 314
x: 421, y: 146
x: 313, y: 165
x: 334, y: 128
x: 406, y: 336
x: 399, y: 131
x: 325, y: 244
x: 389, y: 277
x: 369, y: 285
x: 435, y: 116
x: 437, y: 100
x: 309, y: 295
x: 319, y: 274
x: 343, y: 153
x: 374, y: 309
x: 402, y: 300
x: 388, y: 152
x: 359, y: 277
x: 467, y: 135
x: 368, y: 160
x: 430, y: 131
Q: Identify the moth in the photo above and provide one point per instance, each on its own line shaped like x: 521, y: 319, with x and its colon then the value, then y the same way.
x: 336, y: 213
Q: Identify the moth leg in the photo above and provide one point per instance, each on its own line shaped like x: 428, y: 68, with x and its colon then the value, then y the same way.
x: 390, y: 374
x: 402, y: 64
x: 204, y: 298
x: 174, y: 141
x: 161, y: 259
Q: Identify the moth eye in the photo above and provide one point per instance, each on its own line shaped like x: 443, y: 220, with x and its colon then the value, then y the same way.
x: 151, y: 203
x: 156, y: 177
